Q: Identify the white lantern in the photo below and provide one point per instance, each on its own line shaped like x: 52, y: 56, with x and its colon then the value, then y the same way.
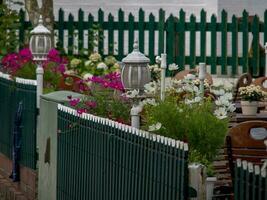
x: 135, y: 72
x: 40, y: 42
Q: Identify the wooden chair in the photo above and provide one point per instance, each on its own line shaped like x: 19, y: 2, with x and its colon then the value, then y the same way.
x: 243, y: 81
x: 260, y: 81
x: 244, y: 141
x: 180, y: 75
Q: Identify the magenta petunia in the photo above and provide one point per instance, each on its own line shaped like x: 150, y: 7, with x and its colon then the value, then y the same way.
x: 74, y: 102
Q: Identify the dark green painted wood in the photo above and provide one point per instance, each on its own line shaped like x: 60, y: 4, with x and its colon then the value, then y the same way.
x: 161, y: 28
x: 11, y: 94
x: 103, y: 160
x: 245, y: 41
x: 121, y: 35
x: 110, y: 34
x: 255, y: 46
x: 170, y: 49
x: 265, y: 35
x: 141, y: 26
x: 21, y: 28
x: 130, y: 33
x: 224, y: 42
x: 192, y: 29
x: 151, y: 40
x: 234, y: 45
x: 213, y: 44
x: 80, y: 30
x: 203, y: 35
x: 180, y: 59
x: 90, y: 34
x: 249, y: 183
x: 141, y: 30
x: 100, y: 32
x: 60, y: 29
x: 70, y: 35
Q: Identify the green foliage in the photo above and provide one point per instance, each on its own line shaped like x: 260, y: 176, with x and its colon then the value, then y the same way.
x: 9, y: 23
x: 194, y: 123
x: 51, y: 76
x: 27, y: 71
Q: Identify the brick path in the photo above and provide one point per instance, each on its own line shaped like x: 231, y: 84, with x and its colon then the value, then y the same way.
x: 9, y: 190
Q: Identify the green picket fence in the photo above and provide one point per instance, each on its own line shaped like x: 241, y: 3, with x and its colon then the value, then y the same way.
x: 171, y: 31
x: 11, y: 93
x: 250, y: 181
x: 102, y: 159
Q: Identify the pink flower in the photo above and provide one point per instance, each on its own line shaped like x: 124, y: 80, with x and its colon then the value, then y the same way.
x: 90, y: 104
x: 54, y: 56
x: 81, y: 111
x: 61, y: 68
x: 74, y: 102
x: 25, y: 55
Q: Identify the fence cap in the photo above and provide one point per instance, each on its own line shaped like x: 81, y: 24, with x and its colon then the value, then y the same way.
x: 60, y: 96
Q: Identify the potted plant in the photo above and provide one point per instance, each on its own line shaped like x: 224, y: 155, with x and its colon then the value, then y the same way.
x: 250, y: 97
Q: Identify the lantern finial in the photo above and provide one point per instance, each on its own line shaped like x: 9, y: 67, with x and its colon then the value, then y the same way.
x: 135, y: 46
x: 40, y: 21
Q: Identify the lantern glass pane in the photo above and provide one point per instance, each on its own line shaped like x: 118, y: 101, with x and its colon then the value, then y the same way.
x: 135, y: 76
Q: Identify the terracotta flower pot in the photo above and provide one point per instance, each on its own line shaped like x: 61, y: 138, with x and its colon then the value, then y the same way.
x: 249, y: 107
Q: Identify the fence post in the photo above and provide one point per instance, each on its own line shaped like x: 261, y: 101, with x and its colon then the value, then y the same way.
x: 197, y: 177
x: 265, y: 72
x: 39, y: 79
x: 163, y: 74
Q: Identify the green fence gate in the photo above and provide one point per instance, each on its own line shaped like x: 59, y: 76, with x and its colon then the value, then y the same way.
x: 250, y: 181
x: 104, y: 160
x: 11, y: 93
x: 172, y: 31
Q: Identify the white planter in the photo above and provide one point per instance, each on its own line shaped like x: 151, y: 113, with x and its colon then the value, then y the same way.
x: 249, y: 107
x: 210, y: 181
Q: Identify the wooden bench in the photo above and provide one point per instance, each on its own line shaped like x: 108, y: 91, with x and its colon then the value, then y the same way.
x: 244, y: 141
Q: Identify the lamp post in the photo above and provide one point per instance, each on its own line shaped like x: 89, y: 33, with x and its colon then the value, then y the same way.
x: 40, y: 44
x: 201, y: 76
x: 163, y: 66
x: 135, y: 74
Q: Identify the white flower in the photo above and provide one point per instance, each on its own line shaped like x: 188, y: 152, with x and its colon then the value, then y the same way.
x: 69, y: 72
x: 218, y: 92
x: 95, y: 57
x: 190, y: 77
x: 228, y: 86
x: 158, y: 59
x: 102, y: 66
x: 189, y: 88
x: 154, y: 68
x: 154, y: 127
x: 87, y: 63
x: 151, y: 102
x: 189, y: 101
x: 75, y: 62
x: 87, y: 76
x: 197, y: 99
x: 173, y: 67
x: 218, y: 83
x: 151, y: 87
x: 228, y: 96
x: 222, y: 101
x: 231, y: 108
x: 220, y: 113
x: 132, y: 93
